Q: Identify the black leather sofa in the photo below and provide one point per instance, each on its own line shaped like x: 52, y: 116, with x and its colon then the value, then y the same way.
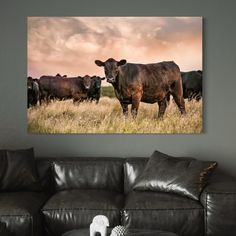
x: 77, y: 189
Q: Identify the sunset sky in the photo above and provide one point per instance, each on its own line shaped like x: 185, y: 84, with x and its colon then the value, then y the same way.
x: 69, y: 45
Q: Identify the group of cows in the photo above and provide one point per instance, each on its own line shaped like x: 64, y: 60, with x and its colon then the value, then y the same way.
x: 62, y: 87
x: 132, y: 83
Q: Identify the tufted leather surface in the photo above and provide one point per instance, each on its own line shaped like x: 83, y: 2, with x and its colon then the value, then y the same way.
x: 164, y: 211
x: 72, y: 209
x: 89, y: 174
x: 21, y: 212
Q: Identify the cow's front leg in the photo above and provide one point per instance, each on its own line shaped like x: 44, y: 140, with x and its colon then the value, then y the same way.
x: 135, y: 104
x: 76, y: 98
x: 162, y: 107
x: 124, y: 108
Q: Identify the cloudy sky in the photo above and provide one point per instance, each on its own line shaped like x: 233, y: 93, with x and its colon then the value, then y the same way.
x: 69, y: 45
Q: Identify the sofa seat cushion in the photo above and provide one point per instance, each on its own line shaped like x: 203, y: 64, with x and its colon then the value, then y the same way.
x: 164, y: 211
x: 21, y: 212
x: 75, y: 209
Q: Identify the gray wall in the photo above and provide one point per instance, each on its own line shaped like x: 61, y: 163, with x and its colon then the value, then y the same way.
x: 217, y: 142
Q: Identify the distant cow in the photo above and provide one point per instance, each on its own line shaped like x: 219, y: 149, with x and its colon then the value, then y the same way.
x: 192, y: 84
x: 32, y: 92
x: 64, y: 88
x: 94, y: 92
x: 150, y: 83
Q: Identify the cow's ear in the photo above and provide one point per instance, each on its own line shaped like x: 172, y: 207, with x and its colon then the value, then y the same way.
x: 121, y: 62
x: 99, y: 63
x: 103, y: 78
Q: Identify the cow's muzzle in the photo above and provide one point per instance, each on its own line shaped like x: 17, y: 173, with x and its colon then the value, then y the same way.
x: 111, y: 80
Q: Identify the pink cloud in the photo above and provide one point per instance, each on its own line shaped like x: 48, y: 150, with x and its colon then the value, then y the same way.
x: 69, y: 45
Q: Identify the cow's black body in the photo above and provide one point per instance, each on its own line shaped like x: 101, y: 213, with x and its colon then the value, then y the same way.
x: 94, y: 92
x: 192, y: 85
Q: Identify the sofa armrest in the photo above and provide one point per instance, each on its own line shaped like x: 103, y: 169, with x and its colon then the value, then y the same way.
x: 219, y: 201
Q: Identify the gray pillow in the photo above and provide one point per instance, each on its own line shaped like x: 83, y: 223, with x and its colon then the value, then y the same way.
x: 182, y: 176
x: 19, y: 172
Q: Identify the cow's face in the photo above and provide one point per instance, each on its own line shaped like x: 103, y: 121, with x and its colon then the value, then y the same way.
x: 111, y: 68
x: 97, y: 81
x: 30, y: 83
x: 87, y: 81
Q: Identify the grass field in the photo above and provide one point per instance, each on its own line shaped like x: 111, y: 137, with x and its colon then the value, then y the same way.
x: 107, y: 92
x: 106, y: 117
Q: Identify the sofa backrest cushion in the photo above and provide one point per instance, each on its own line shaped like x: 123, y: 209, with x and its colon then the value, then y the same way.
x: 133, y: 167
x: 19, y: 171
x: 89, y: 173
x: 44, y: 168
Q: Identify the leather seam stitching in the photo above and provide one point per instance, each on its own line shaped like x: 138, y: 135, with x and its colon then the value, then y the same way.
x: 78, y: 162
x: 26, y: 216
x: 168, y: 209
x: 125, y: 209
x: 78, y: 209
x: 222, y: 193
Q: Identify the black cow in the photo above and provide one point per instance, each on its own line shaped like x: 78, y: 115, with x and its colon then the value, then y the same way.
x: 32, y: 92
x: 150, y: 83
x: 94, y: 92
x: 192, y: 85
x: 52, y: 87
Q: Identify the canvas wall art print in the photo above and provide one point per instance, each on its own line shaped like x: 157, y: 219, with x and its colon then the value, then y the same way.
x: 107, y: 75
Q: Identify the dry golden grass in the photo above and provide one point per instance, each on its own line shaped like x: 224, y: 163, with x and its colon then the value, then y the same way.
x: 107, y: 117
